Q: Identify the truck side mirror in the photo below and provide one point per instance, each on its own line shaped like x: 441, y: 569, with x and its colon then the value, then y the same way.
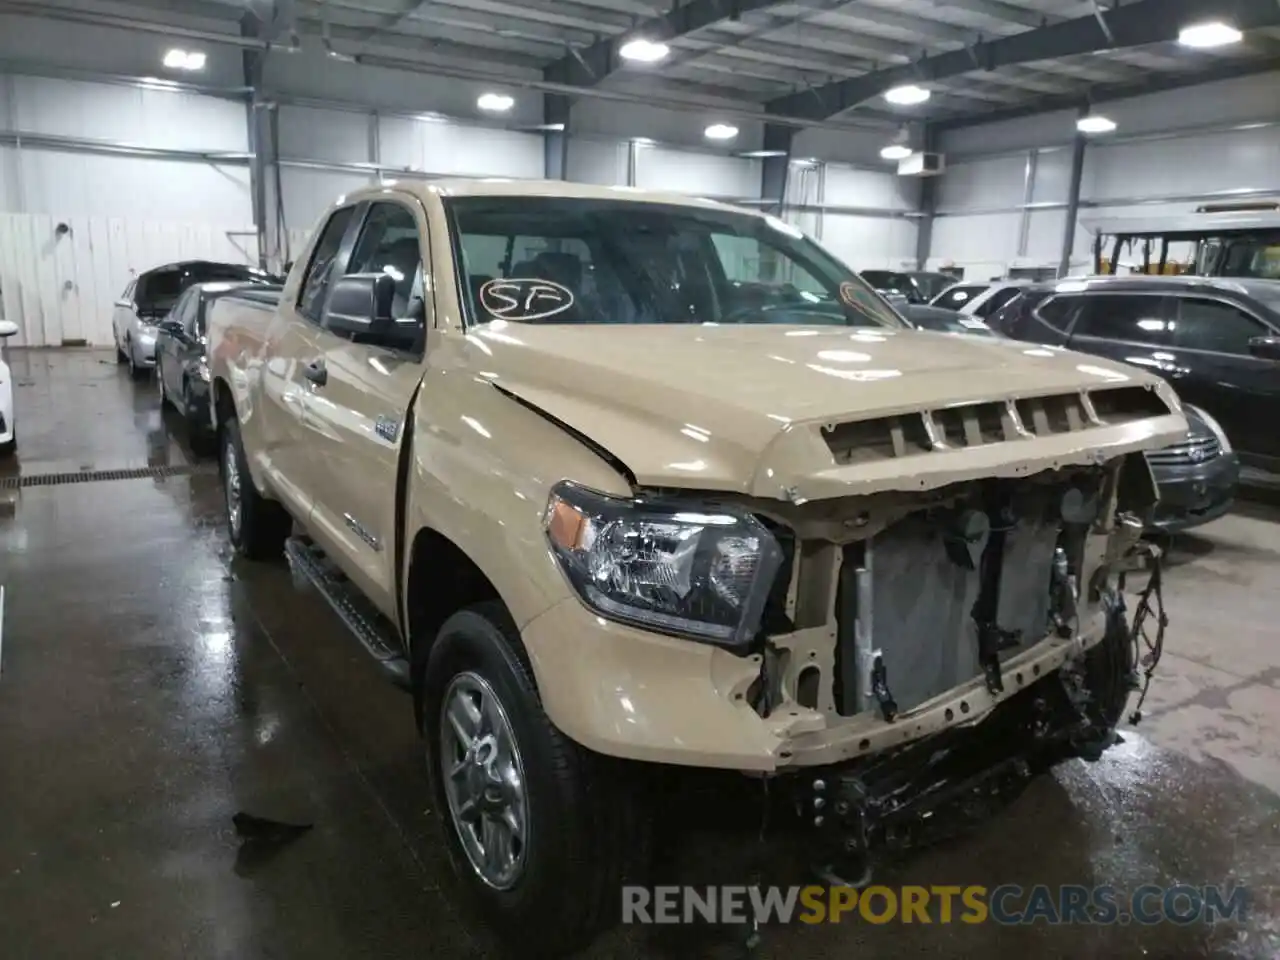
x: 8, y: 328
x: 360, y: 305
x: 1265, y: 348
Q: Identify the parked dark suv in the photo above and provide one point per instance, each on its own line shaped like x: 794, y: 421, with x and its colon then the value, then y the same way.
x: 1217, y: 340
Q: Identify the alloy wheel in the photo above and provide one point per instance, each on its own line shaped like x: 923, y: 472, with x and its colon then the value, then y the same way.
x: 484, y: 780
x: 231, y: 481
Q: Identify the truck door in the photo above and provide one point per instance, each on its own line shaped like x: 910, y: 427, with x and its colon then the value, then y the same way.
x: 358, y: 414
x: 1220, y: 373
x: 290, y: 359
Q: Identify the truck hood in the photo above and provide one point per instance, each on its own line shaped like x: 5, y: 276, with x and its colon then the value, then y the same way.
x: 744, y: 407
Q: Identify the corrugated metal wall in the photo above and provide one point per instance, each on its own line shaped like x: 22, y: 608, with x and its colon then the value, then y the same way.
x: 59, y: 286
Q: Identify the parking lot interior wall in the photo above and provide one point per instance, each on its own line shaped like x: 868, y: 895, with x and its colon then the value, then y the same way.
x: 1172, y: 151
x: 877, y: 239
x: 79, y: 215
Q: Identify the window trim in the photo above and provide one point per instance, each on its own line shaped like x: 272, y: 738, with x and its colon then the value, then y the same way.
x: 1084, y: 295
x: 342, y: 260
x: 340, y: 257
x: 1248, y: 311
x: 1072, y: 313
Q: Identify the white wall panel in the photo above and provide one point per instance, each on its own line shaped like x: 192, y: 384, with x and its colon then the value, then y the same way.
x: 704, y: 174
x: 62, y: 288
x: 1044, y: 236
x: 79, y: 184
x: 870, y: 243
x: 853, y: 187
x: 134, y: 115
x: 983, y: 184
x: 983, y: 244
x: 313, y: 134
x: 453, y: 149
x: 1212, y: 104
x: 1192, y: 165
x: 843, y: 146
x: 598, y: 161
x: 1047, y: 129
x: 1053, y: 176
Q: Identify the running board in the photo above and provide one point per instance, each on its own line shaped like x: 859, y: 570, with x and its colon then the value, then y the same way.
x: 374, y: 631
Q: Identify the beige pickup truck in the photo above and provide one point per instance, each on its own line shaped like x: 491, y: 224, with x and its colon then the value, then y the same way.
x: 622, y: 484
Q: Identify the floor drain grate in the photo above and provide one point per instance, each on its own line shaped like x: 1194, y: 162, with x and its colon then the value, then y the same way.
x: 95, y: 476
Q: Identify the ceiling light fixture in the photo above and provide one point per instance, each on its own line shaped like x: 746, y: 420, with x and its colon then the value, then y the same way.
x: 896, y: 151
x: 641, y: 50
x: 907, y: 96
x: 1095, y: 123
x: 720, y: 131
x: 1213, y: 33
x: 177, y: 59
x: 495, y: 102
x: 761, y: 154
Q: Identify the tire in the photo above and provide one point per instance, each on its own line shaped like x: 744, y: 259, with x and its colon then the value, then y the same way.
x: 262, y: 526
x: 164, y: 394
x: 1109, y: 673
x: 198, y: 432
x: 135, y: 371
x: 587, y: 825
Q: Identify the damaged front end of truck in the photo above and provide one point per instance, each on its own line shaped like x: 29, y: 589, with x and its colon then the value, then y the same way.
x: 926, y: 652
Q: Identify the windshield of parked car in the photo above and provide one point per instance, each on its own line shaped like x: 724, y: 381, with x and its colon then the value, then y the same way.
x: 574, y: 260
x: 954, y: 298
x: 932, y: 284
x: 1251, y: 258
x: 159, y: 290
x: 889, y: 280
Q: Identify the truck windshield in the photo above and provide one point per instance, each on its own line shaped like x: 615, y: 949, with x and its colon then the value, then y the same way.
x: 570, y: 260
x: 1251, y: 258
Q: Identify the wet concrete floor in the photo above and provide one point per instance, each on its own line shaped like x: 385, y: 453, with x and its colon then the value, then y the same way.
x: 151, y: 688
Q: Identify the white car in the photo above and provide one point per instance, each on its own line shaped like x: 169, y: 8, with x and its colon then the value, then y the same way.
x: 979, y: 299
x: 8, y: 433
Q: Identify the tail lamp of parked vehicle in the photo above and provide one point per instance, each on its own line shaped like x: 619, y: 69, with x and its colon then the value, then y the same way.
x: 705, y: 574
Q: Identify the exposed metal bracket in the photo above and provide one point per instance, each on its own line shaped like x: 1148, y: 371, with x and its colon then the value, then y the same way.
x: 1101, y: 17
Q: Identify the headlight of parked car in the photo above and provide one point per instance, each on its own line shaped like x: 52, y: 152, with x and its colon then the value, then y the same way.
x: 202, y: 370
x: 1214, y: 427
x: 670, y: 567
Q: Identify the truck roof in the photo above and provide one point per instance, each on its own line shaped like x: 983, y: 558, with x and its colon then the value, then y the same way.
x: 510, y: 187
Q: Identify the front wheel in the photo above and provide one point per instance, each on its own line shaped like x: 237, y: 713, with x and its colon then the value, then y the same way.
x: 258, y: 526
x: 541, y: 833
x: 136, y: 371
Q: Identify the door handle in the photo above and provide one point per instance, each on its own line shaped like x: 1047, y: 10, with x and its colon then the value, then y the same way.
x: 316, y: 372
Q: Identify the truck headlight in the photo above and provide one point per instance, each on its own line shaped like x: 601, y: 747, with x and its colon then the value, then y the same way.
x: 666, y: 566
x: 202, y: 370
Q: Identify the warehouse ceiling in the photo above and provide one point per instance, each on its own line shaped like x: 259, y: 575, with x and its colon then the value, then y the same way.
x: 814, y: 61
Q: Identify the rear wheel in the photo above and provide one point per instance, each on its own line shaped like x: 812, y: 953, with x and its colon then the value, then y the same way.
x: 541, y: 833
x: 258, y: 526
x: 136, y: 371
x: 198, y: 430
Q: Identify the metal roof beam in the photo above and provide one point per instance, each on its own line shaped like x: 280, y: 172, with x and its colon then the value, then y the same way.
x: 587, y: 67
x: 1134, y: 24
x: 1102, y: 93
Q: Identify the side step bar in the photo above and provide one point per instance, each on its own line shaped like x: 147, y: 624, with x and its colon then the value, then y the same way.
x: 374, y: 631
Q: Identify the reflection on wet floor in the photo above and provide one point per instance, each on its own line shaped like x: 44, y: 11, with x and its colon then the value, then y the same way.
x: 153, y: 689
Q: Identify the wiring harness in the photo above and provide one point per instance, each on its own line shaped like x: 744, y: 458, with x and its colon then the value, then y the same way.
x: 1146, y: 632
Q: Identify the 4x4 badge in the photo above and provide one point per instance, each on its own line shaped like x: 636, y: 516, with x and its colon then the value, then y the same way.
x: 387, y: 428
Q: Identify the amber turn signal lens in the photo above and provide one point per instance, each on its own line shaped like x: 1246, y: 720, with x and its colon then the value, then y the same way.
x: 565, y: 525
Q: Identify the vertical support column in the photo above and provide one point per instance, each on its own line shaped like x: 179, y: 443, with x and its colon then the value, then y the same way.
x: 375, y: 143
x: 928, y: 203
x: 1028, y: 197
x: 252, y: 64
x: 555, y: 136
x: 633, y: 162
x: 775, y: 169
x: 1073, y: 200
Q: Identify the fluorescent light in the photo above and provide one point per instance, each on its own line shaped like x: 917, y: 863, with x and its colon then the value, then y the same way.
x: 907, y: 96
x: 721, y: 131
x: 643, y: 141
x: 896, y: 151
x: 761, y: 154
x: 1213, y: 33
x: 495, y: 102
x: 177, y: 59
x: 1095, y: 123
x: 644, y: 51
